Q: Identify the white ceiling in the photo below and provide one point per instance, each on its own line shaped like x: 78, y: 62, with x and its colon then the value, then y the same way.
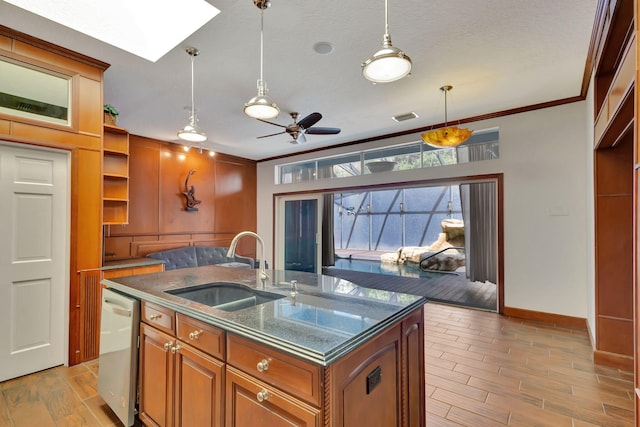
x: 497, y: 54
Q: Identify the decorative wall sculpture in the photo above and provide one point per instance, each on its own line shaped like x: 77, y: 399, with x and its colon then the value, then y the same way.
x: 189, y: 193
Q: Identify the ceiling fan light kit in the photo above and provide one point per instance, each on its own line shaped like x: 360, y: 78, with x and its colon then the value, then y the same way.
x: 298, y: 129
x: 191, y: 132
x: 448, y: 136
x: 389, y: 63
x: 260, y: 106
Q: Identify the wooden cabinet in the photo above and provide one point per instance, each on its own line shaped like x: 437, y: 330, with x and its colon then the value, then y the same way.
x: 366, y: 383
x: 614, y: 193
x: 381, y: 383
x: 290, y: 374
x: 413, y: 371
x: 180, y: 385
x: 251, y: 402
x: 115, y: 176
x: 199, y: 388
x: 194, y: 374
x: 267, y: 387
x: 132, y: 271
x: 156, y: 377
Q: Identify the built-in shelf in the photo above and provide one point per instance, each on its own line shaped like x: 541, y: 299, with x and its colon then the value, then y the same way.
x: 115, y: 176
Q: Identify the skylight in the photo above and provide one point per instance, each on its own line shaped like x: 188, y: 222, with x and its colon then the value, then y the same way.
x: 146, y: 28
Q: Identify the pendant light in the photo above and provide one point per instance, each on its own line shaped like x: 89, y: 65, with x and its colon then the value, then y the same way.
x: 191, y: 132
x: 260, y: 106
x: 448, y: 136
x: 389, y: 63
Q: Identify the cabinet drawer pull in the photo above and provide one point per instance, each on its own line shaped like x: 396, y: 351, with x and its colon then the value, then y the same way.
x: 155, y: 316
x: 175, y: 349
x: 263, y: 365
x: 168, y: 346
x: 262, y: 395
x: 194, y: 335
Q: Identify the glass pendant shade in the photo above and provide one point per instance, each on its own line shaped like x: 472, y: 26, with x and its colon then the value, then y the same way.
x: 448, y: 136
x: 386, y: 65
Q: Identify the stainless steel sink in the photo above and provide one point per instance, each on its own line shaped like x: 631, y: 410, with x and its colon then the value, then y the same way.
x: 225, y: 296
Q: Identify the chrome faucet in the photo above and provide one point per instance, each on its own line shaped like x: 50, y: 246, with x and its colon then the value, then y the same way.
x: 234, y: 243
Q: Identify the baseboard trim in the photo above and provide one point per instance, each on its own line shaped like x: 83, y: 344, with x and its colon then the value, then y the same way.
x: 556, y: 319
x: 613, y: 360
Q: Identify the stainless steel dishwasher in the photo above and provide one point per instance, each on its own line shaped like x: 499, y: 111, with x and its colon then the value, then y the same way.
x: 118, y: 366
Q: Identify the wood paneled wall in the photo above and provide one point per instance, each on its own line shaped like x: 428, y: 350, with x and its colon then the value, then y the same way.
x: 225, y: 186
x: 83, y: 138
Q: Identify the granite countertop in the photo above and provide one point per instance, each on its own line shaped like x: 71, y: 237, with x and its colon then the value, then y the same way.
x: 325, y: 320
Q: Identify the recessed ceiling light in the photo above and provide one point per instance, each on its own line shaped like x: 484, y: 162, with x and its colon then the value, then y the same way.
x: 323, y: 48
x: 406, y: 116
x: 146, y: 28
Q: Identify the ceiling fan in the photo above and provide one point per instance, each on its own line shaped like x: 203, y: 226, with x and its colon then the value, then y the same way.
x: 298, y: 129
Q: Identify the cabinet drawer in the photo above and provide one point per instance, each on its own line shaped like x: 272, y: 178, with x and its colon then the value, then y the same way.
x: 159, y: 317
x: 250, y: 402
x: 200, y: 335
x: 297, y: 377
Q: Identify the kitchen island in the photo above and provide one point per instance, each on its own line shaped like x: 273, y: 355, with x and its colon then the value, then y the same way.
x: 297, y: 349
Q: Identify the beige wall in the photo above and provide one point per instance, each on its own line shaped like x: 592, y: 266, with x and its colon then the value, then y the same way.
x: 547, y: 203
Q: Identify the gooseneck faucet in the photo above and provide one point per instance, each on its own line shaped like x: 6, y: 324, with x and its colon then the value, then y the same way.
x: 234, y: 243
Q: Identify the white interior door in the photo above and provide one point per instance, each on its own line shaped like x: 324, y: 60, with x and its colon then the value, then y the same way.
x: 34, y: 260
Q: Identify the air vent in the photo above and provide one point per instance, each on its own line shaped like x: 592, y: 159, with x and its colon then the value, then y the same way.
x: 406, y: 116
x: 14, y: 102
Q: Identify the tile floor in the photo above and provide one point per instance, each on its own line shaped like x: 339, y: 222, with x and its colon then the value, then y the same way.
x: 482, y: 370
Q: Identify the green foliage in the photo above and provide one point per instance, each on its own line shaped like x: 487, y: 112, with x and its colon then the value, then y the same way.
x: 110, y: 109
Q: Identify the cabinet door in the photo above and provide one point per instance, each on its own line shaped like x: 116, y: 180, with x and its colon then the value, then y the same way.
x: 199, y: 388
x: 250, y: 402
x: 413, y: 398
x: 156, y: 377
x: 366, y: 384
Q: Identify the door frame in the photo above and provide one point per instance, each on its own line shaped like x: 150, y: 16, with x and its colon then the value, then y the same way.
x: 66, y: 261
x: 279, y: 227
x: 498, y: 178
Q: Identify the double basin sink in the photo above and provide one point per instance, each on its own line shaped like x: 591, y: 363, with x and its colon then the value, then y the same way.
x: 225, y: 296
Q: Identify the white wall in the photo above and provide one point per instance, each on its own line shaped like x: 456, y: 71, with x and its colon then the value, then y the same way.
x: 546, y: 207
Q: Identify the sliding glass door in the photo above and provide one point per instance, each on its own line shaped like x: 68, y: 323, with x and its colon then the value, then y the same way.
x: 298, y: 233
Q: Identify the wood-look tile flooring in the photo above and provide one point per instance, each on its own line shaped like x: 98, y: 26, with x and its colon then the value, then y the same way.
x: 482, y: 369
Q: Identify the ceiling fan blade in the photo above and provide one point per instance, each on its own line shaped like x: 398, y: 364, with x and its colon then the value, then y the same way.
x: 310, y: 120
x: 322, y: 131
x: 273, y: 134
x: 271, y: 123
